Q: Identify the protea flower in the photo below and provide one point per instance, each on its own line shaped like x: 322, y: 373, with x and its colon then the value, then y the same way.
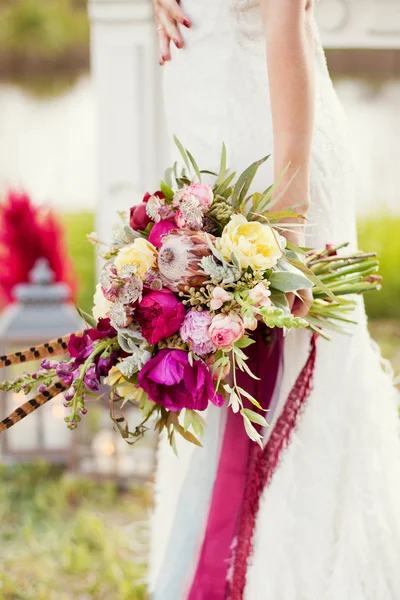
x: 179, y: 259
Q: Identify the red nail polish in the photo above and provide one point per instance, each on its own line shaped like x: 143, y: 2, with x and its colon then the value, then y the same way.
x: 177, y: 43
x: 186, y: 23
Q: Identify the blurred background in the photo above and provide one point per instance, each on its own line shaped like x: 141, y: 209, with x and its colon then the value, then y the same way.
x: 79, y: 111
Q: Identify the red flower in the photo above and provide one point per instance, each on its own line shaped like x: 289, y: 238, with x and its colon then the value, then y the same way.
x: 160, y: 315
x: 139, y: 218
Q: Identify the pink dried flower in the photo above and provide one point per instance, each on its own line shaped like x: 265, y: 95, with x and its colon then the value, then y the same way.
x: 219, y: 296
x: 260, y: 295
x: 195, y: 332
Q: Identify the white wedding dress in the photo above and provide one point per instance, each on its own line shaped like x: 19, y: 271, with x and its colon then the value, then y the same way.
x: 328, y: 527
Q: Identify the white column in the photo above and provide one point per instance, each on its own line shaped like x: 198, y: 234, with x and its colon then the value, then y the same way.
x: 130, y: 123
x: 359, y: 23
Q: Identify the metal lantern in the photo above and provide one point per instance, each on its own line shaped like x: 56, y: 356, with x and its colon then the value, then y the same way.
x: 41, y: 312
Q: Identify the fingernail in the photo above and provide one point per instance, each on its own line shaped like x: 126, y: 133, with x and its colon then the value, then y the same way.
x: 161, y: 62
x: 186, y: 23
x: 177, y: 43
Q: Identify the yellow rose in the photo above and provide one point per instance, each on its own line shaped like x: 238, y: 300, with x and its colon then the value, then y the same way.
x: 101, y: 306
x: 140, y: 253
x: 125, y: 390
x: 254, y: 244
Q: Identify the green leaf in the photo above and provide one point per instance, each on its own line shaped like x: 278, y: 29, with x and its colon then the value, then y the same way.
x: 89, y: 320
x: 254, y: 417
x: 205, y: 172
x: 252, y: 431
x: 195, y: 167
x: 222, y: 168
x: 285, y: 281
x: 166, y: 190
x: 244, y: 342
x: 222, y: 187
x: 243, y: 184
x: 187, y: 435
x: 246, y: 394
x: 183, y: 152
x: 316, y: 280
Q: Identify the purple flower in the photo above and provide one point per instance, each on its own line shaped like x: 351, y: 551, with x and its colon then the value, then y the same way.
x: 65, y: 372
x: 79, y: 347
x: 47, y: 364
x: 160, y: 315
x: 69, y: 394
x: 91, y: 380
x: 194, y: 332
x: 42, y: 388
x: 161, y: 228
x: 104, y: 365
x: 169, y: 380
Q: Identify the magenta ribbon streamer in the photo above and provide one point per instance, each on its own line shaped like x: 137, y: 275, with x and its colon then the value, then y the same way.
x: 210, y: 580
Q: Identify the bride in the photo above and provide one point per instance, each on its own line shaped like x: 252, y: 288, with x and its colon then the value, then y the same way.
x: 252, y: 74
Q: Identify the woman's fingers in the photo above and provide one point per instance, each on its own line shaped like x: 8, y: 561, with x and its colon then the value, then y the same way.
x: 168, y: 15
x: 170, y: 28
x: 164, y: 43
x: 301, y: 306
x: 175, y: 11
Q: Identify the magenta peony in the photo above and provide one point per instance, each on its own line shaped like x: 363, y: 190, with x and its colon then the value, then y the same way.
x: 161, y: 228
x: 160, y: 315
x: 225, y: 330
x: 139, y: 219
x: 171, y: 381
x: 194, y: 332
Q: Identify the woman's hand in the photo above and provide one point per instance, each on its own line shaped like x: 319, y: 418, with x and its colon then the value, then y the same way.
x: 168, y: 16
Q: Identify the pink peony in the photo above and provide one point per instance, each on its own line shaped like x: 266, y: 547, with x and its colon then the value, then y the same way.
x: 194, y: 332
x: 161, y: 228
x: 203, y: 193
x: 219, y: 297
x: 170, y: 380
x: 225, y: 330
x: 260, y: 295
x: 160, y: 315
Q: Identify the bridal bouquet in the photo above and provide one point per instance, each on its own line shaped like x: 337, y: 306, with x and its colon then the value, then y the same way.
x: 187, y: 278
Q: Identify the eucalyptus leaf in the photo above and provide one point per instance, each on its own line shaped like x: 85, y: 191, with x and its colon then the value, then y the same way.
x: 284, y: 281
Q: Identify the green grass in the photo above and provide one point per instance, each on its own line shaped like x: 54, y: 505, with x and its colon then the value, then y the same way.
x: 382, y: 234
x: 77, y: 226
x: 69, y: 539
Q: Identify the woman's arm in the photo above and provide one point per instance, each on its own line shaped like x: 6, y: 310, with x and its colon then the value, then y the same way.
x: 290, y: 59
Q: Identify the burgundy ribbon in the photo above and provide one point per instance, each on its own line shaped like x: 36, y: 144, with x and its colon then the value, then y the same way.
x: 210, y: 579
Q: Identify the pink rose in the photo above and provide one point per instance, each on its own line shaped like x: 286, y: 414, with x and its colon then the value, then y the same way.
x: 260, y: 295
x: 160, y: 315
x: 225, y: 330
x: 139, y: 218
x: 219, y: 296
x: 203, y: 193
x: 161, y: 228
